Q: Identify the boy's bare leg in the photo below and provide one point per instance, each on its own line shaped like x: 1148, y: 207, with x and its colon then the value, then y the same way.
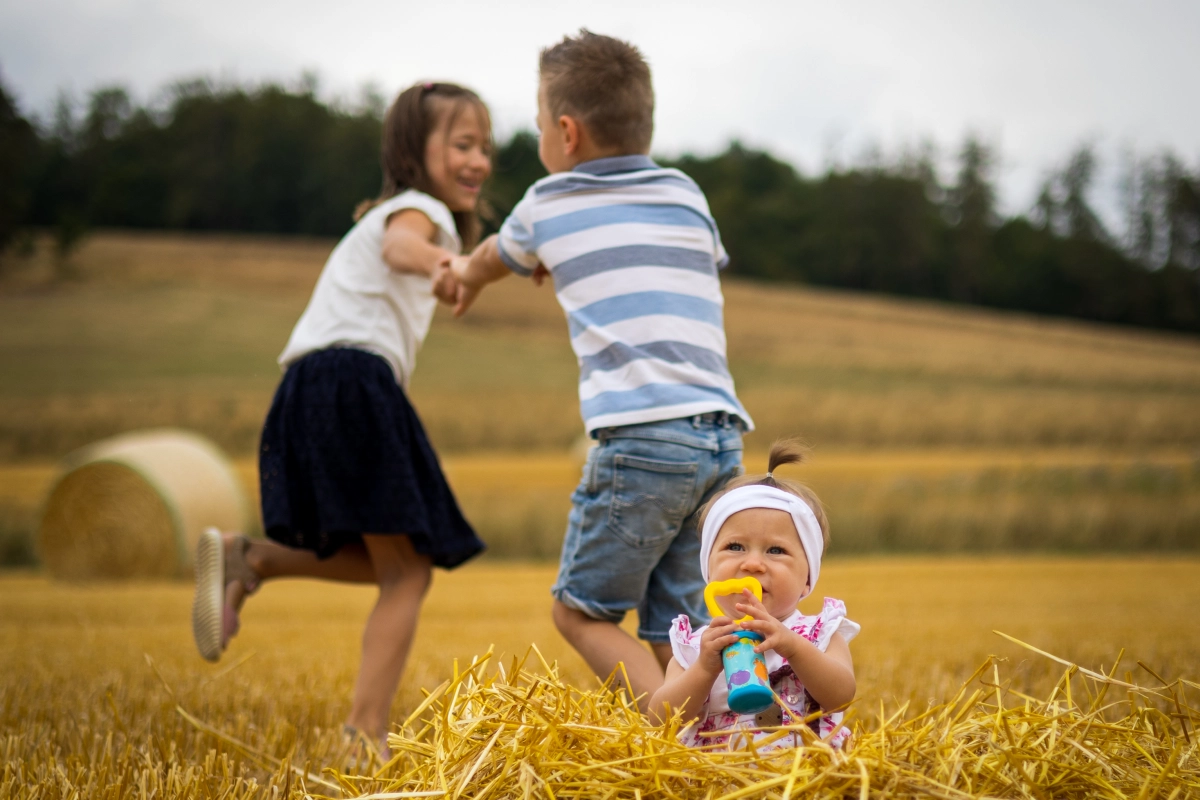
x: 662, y: 651
x: 603, y: 645
x: 403, y: 576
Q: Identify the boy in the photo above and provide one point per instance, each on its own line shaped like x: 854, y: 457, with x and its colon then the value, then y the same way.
x: 634, y: 254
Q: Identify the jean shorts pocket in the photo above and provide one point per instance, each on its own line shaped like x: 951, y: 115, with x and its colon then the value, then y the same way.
x: 651, y: 498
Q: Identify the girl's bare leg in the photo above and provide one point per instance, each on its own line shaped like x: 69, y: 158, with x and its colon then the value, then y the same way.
x: 403, y: 576
x: 272, y: 560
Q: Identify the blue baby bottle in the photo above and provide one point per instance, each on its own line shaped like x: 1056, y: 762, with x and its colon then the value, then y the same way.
x: 745, y: 670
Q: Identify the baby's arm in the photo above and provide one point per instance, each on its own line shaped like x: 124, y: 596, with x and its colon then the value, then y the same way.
x: 828, y: 676
x: 408, y: 244
x: 687, y: 689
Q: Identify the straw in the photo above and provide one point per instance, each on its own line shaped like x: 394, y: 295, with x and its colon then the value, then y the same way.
x: 519, y: 731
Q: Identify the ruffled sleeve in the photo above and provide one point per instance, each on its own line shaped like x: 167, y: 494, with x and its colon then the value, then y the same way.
x: 832, y: 619
x: 685, y: 643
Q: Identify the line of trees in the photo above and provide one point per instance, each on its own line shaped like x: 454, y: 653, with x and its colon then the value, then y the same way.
x: 276, y: 159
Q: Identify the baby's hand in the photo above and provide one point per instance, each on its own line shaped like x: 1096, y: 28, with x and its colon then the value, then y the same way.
x: 540, y: 274
x: 775, y: 635
x: 721, y: 633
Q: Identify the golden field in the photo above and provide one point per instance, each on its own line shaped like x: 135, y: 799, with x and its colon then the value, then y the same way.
x: 934, y: 428
x: 184, y: 330
x: 91, y: 675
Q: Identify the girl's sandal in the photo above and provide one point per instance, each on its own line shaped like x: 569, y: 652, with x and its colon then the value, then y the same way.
x: 362, y: 754
x: 213, y: 621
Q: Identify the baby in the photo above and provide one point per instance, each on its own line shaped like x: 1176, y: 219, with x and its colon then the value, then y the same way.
x: 774, y: 530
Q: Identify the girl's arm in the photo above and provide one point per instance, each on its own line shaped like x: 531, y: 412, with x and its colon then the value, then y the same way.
x: 828, y: 676
x: 684, y: 688
x: 408, y: 244
x: 687, y: 689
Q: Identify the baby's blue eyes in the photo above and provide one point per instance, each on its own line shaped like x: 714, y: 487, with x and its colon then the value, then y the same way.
x: 774, y: 550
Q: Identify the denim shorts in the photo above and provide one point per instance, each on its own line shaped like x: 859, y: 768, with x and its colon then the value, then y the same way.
x: 631, y: 539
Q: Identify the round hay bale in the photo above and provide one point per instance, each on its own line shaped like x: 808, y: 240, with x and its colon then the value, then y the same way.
x: 134, y: 506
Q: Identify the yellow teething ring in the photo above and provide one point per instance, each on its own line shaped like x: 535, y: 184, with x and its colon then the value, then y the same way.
x: 725, y: 588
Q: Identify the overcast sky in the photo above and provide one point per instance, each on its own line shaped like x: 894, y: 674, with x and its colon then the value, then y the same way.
x: 812, y: 82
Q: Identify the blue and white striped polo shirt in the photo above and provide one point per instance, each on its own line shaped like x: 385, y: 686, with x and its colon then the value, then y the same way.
x: 634, y: 253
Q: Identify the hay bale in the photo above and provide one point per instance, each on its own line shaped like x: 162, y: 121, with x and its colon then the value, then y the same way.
x: 134, y: 506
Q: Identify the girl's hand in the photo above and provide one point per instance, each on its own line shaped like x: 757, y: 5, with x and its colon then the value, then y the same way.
x: 721, y: 633
x: 445, y: 283
x: 775, y: 635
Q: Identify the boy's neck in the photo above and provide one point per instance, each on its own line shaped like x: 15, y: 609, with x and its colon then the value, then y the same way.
x: 588, y: 151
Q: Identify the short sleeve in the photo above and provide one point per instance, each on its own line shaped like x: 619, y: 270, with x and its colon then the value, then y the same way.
x: 431, y: 207
x: 722, y: 257
x: 685, y: 643
x: 833, y: 620
x: 516, y: 242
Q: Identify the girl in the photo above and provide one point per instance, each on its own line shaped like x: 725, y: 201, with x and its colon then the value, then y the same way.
x: 351, y: 489
x: 772, y: 529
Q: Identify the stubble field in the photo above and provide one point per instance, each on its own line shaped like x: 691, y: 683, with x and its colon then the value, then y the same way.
x: 95, y: 677
x: 934, y: 428
x: 1052, y: 467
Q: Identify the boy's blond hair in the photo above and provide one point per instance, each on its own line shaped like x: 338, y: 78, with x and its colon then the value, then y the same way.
x: 605, y: 83
x: 784, y: 451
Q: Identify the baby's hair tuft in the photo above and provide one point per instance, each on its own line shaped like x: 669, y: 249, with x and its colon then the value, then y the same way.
x: 786, y: 451
x: 783, y: 451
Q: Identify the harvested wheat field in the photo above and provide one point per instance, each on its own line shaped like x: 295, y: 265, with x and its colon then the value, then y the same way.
x: 103, y: 696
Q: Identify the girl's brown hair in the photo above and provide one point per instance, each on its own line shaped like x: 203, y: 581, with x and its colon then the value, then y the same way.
x: 784, y: 451
x: 406, y: 129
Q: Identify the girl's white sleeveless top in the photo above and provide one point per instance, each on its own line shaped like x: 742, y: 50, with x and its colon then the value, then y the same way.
x: 361, y: 302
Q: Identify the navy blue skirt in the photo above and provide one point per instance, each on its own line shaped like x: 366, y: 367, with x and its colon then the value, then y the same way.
x: 343, y: 453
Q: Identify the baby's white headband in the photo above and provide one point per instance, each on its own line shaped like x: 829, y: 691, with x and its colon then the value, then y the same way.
x: 759, y: 496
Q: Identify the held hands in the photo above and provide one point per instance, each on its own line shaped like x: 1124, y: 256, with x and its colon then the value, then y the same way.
x: 445, y: 282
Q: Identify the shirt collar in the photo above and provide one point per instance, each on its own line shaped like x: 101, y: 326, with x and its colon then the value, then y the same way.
x: 615, y: 164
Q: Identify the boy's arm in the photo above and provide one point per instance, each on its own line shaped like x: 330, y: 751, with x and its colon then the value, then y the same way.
x: 483, y: 267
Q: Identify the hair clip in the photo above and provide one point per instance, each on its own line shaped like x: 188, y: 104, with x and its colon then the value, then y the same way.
x: 427, y: 87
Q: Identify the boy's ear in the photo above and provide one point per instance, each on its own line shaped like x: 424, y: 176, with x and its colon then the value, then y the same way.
x: 571, y: 132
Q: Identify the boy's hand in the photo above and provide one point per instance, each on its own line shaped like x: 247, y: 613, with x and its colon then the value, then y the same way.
x: 775, y: 635
x: 445, y: 284
x: 468, y: 289
x: 539, y: 275
x: 721, y: 633
x: 466, y: 296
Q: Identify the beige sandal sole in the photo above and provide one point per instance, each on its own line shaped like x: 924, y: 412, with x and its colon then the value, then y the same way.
x: 210, y: 594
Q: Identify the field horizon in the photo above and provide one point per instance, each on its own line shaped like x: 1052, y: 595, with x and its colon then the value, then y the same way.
x: 934, y: 427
